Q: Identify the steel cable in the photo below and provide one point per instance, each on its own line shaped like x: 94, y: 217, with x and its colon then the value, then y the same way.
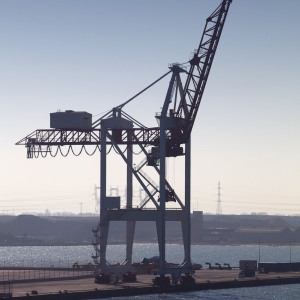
x: 97, y: 147
x: 118, y: 151
x: 55, y: 153
x: 62, y: 153
x: 136, y: 153
x: 79, y: 151
x: 34, y: 152
x: 109, y: 149
x: 40, y: 149
x: 129, y: 100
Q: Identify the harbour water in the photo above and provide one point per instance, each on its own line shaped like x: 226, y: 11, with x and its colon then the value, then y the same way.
x: 279, y: 292
x: 65, y: 255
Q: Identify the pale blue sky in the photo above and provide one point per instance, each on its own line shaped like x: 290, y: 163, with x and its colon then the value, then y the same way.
x: 93, y: 55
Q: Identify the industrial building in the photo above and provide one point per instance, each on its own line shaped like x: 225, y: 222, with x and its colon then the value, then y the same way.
x: 263, y: 235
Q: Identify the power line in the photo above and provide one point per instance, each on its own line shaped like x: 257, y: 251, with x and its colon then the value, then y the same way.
x: 263, y: 194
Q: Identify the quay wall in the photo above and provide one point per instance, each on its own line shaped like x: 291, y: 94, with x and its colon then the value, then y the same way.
x: 134, y: 291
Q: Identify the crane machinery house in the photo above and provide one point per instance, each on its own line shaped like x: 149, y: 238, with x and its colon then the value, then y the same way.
x: 70, y: 119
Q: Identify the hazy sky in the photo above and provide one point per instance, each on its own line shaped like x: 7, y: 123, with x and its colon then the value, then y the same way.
x: 93, y: 55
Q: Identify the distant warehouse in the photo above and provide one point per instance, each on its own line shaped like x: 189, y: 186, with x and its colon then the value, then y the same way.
x: 264, y: 234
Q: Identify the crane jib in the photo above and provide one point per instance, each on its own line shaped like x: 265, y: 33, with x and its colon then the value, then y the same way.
x: 200, y: 66
x: 183, y: 114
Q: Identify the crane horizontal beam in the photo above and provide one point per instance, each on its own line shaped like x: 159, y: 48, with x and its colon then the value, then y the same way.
x: 59, y: 137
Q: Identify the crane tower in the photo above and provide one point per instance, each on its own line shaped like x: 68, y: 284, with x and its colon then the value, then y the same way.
x: 172, y: 138
x: 219, y: 205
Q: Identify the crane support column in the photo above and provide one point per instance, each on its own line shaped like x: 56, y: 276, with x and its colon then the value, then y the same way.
x: 129, y: 172
x: 162, y: 188
x: 104, y: 226
x: 186, y: 223
x: 130, y: 225
x: 162, y: 176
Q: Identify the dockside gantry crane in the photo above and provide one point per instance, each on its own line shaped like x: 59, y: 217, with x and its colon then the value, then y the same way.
x: 117, y: 128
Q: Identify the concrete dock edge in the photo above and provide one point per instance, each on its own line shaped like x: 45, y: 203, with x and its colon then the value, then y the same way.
x: 134, y: 291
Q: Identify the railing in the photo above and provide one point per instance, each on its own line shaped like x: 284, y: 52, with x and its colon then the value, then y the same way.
x: 12, y: 274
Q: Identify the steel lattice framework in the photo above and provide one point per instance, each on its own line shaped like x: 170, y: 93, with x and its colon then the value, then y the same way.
x: 117, y: 128
x: 199, y: 70
x: 185, y: 113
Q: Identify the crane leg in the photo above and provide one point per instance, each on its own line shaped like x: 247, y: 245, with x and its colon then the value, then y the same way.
x: 129, y: 242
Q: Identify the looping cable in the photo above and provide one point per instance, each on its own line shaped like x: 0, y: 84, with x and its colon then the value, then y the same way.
x: 36, y: 153
x: 79, y: 151
x: 64, y: 155
x: 97, y: 147
x: 134, y: 152
x: 43, y: 155
x: 53, y: 155
x: 118, y: 151
x: 109, y: 149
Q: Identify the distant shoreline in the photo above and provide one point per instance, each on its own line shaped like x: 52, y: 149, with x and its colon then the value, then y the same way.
x: 144, y: 242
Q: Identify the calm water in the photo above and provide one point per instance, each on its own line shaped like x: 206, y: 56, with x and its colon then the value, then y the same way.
x: 65, y: 255
x: 291, y: 292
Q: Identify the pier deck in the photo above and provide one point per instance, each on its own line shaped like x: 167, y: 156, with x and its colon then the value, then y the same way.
x: 86, y: 288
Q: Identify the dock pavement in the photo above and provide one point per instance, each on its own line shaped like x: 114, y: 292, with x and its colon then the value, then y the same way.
x: 85, y: 288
